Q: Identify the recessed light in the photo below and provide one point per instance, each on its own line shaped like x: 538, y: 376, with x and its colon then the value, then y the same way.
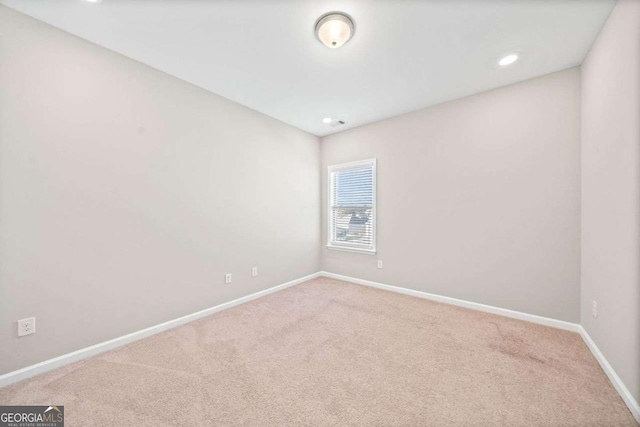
x: 326, y: 120
x: 334, y: 29
x: 508, y: 60
x: 94, y: 1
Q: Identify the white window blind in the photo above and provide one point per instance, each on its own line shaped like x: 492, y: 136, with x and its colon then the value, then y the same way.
x: 352, y: 206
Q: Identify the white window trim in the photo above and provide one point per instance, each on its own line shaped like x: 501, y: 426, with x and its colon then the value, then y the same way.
x: 346, y: 247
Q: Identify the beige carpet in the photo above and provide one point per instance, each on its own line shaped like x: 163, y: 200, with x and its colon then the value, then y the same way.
x: 331, y: 353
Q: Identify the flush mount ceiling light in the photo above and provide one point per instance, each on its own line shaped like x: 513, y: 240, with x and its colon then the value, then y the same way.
x: 334, y: 29
x: 508, y: 60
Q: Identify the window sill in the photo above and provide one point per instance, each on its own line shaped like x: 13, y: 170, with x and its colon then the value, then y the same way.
x: 356, y: 250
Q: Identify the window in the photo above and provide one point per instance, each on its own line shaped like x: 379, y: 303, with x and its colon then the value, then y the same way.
x: 352, y: 206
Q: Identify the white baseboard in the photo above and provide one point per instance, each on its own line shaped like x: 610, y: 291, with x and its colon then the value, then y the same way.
x: 560, y: 324
x: 613, y: 377
x: 65, y: 359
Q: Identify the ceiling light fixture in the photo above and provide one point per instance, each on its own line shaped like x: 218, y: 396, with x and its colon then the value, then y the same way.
x: 326, y: 120
x: 508, y: 60
x: 94, y: 1
x: 334, y: 29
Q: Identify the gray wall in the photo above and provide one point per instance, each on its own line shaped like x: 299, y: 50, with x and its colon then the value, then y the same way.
x: 478, y: 199
x: 126, y: 194
x: 611, y: 192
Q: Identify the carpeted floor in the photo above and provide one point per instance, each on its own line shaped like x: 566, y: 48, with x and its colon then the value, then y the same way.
x: 332, y: 353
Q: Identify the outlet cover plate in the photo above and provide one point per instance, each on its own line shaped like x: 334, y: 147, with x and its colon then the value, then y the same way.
x: 26, y: 326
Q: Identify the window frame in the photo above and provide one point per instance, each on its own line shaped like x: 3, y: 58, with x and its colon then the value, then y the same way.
x: 342, y: 246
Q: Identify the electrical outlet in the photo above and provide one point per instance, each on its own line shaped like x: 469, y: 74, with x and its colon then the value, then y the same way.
x: 594, y: 309
x: 227, y: 278
x: 254, y: 271
x: 26, y: 326
x: 379, y: 264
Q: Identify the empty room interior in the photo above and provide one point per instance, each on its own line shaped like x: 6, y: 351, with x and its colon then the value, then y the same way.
x: 319, y: 213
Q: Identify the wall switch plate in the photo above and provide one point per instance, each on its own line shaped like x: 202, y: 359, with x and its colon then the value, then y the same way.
x: 594, y: 309
x: 227, y: 278
x: 379, y: 264
x: 26, y: 326
x: 254, y: 271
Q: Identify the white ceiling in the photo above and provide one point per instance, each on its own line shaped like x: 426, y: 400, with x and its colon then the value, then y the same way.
x: 405, y: 55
